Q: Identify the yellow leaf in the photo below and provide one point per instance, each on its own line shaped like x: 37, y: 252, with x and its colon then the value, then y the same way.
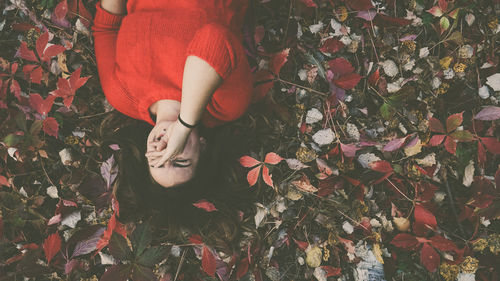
x: 378, y: 253
x: 415, y: 149
x: 402, y: 224
x: 313, y: 256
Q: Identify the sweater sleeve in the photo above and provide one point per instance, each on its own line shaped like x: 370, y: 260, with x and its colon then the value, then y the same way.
x: 214, y: 43
x: 105, y: 31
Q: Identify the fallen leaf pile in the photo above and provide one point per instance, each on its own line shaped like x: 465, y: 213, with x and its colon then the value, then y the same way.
x: 375, y: 127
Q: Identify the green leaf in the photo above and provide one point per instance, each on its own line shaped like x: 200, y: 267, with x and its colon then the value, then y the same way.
x: 314, y: 61
x: 12, y: 140
x: 444, y: 23
x: 141, y: 238
x: 387, y: 111
x: 141, y: 273
x: 153, y: 255
x: 35, y: 128
x: 21, y: 121
x: 462, y: 135
x: 118, y: 247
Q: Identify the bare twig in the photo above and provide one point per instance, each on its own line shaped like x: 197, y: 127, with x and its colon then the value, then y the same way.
x: 181, y: 262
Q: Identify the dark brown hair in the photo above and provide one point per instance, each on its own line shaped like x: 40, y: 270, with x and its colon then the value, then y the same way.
x: 171, y: 209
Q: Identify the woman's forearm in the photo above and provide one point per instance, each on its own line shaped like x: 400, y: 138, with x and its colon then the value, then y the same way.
x: 118, y: 7
x: 199, y: 82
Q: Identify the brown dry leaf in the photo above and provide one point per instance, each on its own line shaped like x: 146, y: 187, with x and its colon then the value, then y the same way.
x: 61, y: 62
x: 304, y: 184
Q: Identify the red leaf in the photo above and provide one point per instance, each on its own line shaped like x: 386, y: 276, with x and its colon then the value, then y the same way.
x: 26, y: 53
x: 196, y: 239
x: 423, y: 215
x: 272, y: 158
x: 41, y: 43
x: 435, y: 125
x: 242, y: 268
x: 443, y: 244
x: 453, y: 121
x: 33, y: 72
x: 301, y: 244
x: 429, y: 258
x: 208, y: 261
x: 443, y: 5
x: 340, y: 66
x: 66, y: 88
x: 15, y: 89
x: 348, y: 81
x: 247, y: 161
x: 253, y: 175
x: 266, y: 176
x: 405, y: 241
x: 481, y: 153
x: 373, y: 78
x: 450, y: 144
x: 360, y: 5
x: 278, y: 60
x: 436, y: 140
x: 381, y: 166
x: 492, y: 144
x: 205, y: 205
x: 331, y: 46
x: 331, y: 271
x: 40, y: 105
x: 53, y: 51
x: 61, y: 10
x: 51, y: 246
x: 309, y: 3
x: 50, y: 126
x: 4, y: 181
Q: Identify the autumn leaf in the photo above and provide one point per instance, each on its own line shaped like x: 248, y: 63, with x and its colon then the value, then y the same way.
x: 208, y: 261
x: 423, y: 215
x: 405, y: 241
x: 340, y: 66
x: 51, y: 246
x: 348, y: 81
x: 66, y: 88
x: 40, y: 105
x: 429, y: 258
x: 50, y: 126
x: 205, y: 205
x: 252, y: 176
x: 272, y: 158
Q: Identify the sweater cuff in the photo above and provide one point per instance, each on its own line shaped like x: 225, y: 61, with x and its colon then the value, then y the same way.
x: 105, y: 18
x: 212, y: 43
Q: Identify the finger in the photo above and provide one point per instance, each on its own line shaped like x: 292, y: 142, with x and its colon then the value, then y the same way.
x: 154, y: 153
x: 162, y: 160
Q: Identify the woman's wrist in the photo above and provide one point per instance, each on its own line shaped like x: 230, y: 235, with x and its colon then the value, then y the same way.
x: 190, y: 125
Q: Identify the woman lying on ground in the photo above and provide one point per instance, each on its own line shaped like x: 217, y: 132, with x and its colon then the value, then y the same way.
x: 181, y: 67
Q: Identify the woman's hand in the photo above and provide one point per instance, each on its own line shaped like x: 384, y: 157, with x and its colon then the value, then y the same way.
x: 175, y: 140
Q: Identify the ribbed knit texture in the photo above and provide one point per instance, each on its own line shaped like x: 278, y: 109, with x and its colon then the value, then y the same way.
x: 141, y: 56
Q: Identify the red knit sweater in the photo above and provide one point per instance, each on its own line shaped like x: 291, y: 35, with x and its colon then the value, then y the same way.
x: 141, y: 56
